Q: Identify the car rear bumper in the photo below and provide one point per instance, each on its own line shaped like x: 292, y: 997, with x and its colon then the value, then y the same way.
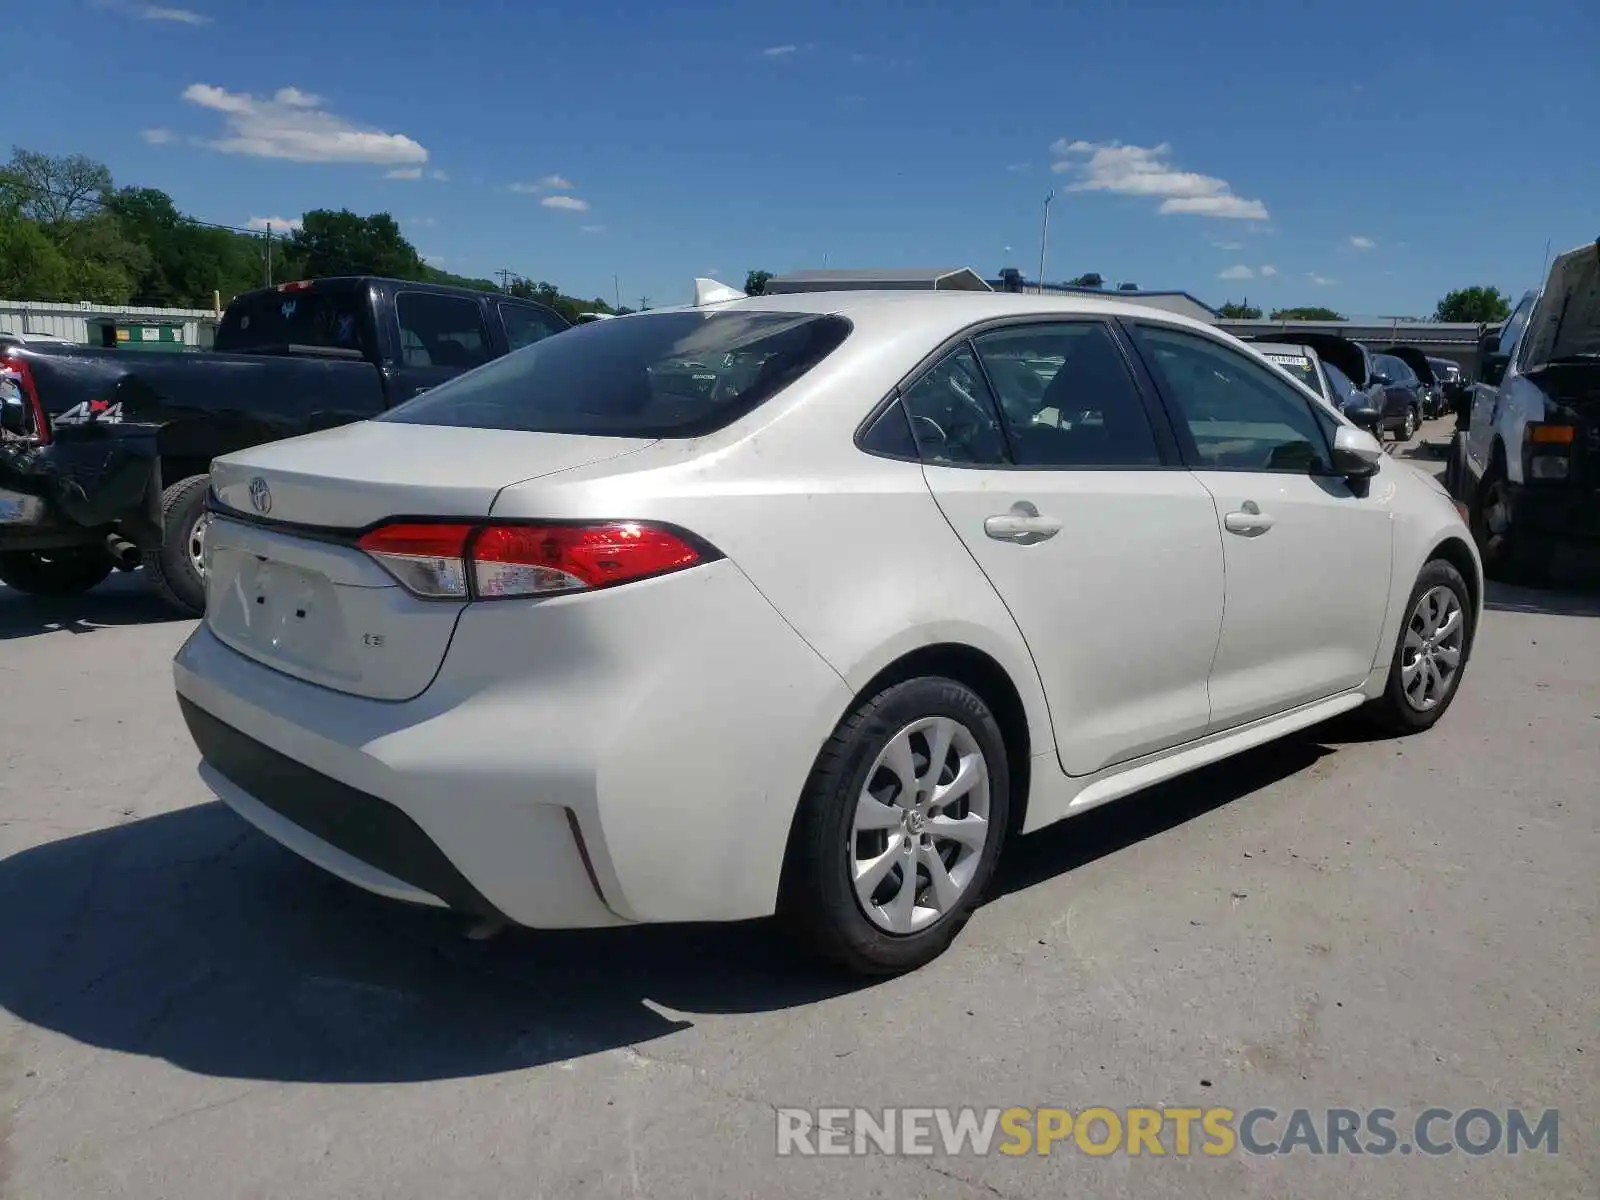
x: 639, y: 759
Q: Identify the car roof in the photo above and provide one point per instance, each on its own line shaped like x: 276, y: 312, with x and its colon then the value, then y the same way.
x: 940, y: 314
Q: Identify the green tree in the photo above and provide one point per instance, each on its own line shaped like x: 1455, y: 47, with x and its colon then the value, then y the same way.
x: 342, y: 243
x: 32, y: 267
x: 1092, y: 279
x: 1243, y: 311
x: 755, y: 282
x: 50, y: 190
x: 1479, y: 305
x: 1310, y: 313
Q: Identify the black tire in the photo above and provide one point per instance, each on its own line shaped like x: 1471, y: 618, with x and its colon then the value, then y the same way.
x: 1409, y: 429
x: 1455, y: 467
x: 818, y: 898
x: 1509, y: 555
x: 1392, y: 711
x: 171, y: 567
x: 65, y: 572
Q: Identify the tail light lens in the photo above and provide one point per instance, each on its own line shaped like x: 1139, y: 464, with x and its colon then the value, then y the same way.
x: 15, y: 367
x: 496, y: 561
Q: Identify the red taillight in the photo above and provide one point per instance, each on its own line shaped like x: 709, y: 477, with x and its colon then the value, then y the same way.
x: 503, y: 560
x: 17, y: 367
x: 295, y: 285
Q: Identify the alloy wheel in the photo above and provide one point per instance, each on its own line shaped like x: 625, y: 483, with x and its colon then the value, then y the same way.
x: 920, y: 825
x: 1434, y: 641
x: 197, y: 543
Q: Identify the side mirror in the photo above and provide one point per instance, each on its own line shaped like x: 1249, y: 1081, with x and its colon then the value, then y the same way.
x: 1492, y: 368
x: 1356, y: 453
x: 1363, y: 414
x: 1380, y: 377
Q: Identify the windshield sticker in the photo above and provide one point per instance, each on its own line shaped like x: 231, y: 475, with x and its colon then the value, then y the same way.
x: 1289, y: 360
x: 288, y: 309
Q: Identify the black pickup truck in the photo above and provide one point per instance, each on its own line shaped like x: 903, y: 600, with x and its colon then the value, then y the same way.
x: 104, y: 454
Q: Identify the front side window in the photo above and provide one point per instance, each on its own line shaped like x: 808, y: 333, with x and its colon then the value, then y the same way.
x: 1067, y: 397
x: 441, y: 331
x: 953, y: 416
x: 669, y: 374
x: 1241, y: 416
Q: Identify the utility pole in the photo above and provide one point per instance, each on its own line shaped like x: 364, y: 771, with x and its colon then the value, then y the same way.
x: 269, y: 255
x: 505, y: 279
x: 1044, y: 233
x: 616, y: 292
x: 644, y: 303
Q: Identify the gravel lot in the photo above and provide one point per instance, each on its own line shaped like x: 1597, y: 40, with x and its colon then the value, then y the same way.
x: 188, y: 1011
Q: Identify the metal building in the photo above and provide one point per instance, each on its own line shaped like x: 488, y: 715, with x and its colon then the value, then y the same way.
x: 73, y: 321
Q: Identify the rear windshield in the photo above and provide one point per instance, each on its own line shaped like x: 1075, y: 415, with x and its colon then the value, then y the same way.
x: 334, y: 319
x: 669, y: 375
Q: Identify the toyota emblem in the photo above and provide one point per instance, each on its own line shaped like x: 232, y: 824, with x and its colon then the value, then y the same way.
x: 260, y: 496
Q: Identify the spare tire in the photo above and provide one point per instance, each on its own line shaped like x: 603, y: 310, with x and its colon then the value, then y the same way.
x: 175, y: 568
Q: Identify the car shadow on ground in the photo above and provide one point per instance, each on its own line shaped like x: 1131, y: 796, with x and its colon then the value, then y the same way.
x: 191, y: 938
x: 1554, y: 602
x: 126, y: 598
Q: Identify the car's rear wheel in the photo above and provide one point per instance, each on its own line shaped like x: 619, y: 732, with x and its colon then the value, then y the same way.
x: 64, y: 572
x: 899, y: 828
x: 1431, y: 654
x: 177, y: 565
x: 1409, y: 427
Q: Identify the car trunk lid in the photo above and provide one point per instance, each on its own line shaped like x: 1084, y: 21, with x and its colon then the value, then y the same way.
x: 288, y: 586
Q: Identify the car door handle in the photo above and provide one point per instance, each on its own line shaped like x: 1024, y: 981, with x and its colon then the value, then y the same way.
x: 1249, y: 521
x: 1022, y: 525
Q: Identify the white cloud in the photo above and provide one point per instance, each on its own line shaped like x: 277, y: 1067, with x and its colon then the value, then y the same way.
x: 1320, y: 280
x: 1361, y: 243
x: 183, y: 16
x: 292, y: 125
x: 1148, y: 171
x: 1239, y: 271
x: 404, y: 173
x: 276, y: 224
x: 1232, y: 207
x: 1268, y: 271
x: 438, y: 175
x: 591, y: 228
x: 1019, y: 167
x: 566, y: 203
x: 779, y: 51
x: 293, y: 97
x: 556, y: 183
x: 158, y: 137
x: 1228, y: 245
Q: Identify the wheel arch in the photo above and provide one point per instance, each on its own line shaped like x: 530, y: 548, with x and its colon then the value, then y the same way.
x: 984, y: 674
x: 1455, y: 551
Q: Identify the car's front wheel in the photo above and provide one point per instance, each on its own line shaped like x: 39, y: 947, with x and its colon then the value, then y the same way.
x: 899, y: 828
x: 1432, y: 652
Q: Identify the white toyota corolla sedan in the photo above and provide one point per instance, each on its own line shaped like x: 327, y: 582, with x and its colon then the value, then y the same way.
x: 801, y: 604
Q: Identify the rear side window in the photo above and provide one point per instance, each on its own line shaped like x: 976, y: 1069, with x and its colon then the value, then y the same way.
x: 671, y: 374
x: 1067, y: 397
x: 526, y: 324
x: 267, y: 322
x: 441, y: 331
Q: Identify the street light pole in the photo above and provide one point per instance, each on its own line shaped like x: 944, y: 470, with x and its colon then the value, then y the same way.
x: 1044, y: 234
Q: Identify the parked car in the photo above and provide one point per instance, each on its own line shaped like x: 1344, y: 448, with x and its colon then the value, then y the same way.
x: 107, y: 452
x: 1326, y: 363
x: 10, y: 337
x: 1404, y: 395
x: 1452, y: 384
x: 1526, y: 459
x: 565, y: 642
x: 1431, y: 391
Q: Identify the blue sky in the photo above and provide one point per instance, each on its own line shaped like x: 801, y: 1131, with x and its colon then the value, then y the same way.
x: 1365, y: 156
